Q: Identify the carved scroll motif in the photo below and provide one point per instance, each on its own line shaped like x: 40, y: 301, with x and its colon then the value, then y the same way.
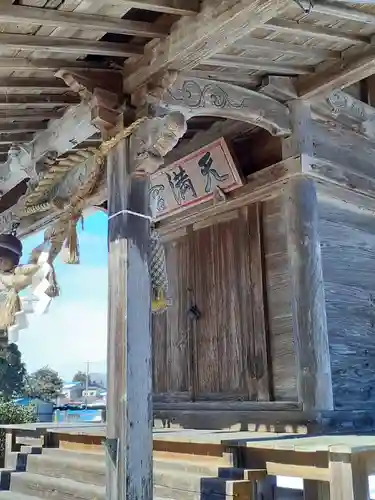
x: 198, y: 97
x: 344, y: 103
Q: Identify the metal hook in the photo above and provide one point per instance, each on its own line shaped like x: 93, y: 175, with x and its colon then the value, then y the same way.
x: 308, y: 9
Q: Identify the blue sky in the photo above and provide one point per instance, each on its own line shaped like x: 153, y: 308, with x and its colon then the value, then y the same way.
x: 74, y: 329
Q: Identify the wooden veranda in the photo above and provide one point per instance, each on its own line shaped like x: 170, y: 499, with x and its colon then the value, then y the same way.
x: 250, y: 126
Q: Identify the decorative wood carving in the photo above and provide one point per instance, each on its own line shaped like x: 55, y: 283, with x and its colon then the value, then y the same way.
x: 153, y: 139
x: 103, y: 93
x: 199, y: 97
x: 344, y: 104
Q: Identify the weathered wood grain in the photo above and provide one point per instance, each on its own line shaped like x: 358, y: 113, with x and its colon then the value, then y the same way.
x: 261, y: 355
x: 348, y: 252
x: 349, y: 478
x: 195, y: 39
x: 310, y: 333
x: 223, y: 355
x: 129, y: 403
x: 279, y: 312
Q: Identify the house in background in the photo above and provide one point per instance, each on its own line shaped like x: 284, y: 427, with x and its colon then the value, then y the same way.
x: 43, y: 409
x: 72, y: 391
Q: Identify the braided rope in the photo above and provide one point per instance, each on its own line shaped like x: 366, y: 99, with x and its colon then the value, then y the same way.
x: 57, y: 172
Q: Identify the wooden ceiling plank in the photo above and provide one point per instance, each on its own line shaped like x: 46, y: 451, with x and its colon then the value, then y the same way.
x: 16, y: 128
x: 23, y: 101
x: 340, y: 11
x: 70, y: 46
x: 286, y: 48
x: 8, y: 139
x: 26, y: 115
x: 176, y: 7
x: 48, y: 64
x: 309, y: 30
x: 340, y: 75
x: 258, y: 64
x: 60, y: 19
x: 195, y: 39
x: 39, y: 84
x: 233, y: 77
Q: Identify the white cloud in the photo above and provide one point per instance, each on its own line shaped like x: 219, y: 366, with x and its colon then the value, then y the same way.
x: 74, y: 330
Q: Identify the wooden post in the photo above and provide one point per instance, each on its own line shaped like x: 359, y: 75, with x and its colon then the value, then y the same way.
x: 315, y: 490
x: 314, y: 382
x: 11, y: 445
x: 129, y: 400
x: 349, y: 478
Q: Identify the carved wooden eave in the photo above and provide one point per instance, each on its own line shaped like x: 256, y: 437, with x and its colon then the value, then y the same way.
x: 50, y: 198
x: 200, y: 97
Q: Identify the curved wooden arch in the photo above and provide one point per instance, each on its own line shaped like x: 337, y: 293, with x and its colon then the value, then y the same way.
x: 202, y: 97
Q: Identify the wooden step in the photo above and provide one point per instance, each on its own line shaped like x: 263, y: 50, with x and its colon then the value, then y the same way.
x: 82, y: 470
x: 12, y: 495
x: 94, y: 471
x: 205, y: 466
x: 58, y: 488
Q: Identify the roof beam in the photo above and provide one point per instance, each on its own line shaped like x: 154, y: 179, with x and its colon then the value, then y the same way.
x: 286, y: 48
x: 68, y: 45
x: 315, y: 31
x: 232, y: 77
x: 15, y: 128
x: 6, y: 139
x: 22, y: 101
x: 249, y: 63
x: 71, y: 20
x: 27, y: 115
x: 38, y: 84
x: 340, y: 75
x: 195, y: 39
x: 338, y: 10
x: 61, y: 135
x: 48, y: 64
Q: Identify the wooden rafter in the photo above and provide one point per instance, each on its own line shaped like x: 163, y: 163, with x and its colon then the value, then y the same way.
x: 60, y: 19
x: 339, y: 75
x: 8, y: 139
x: 310, y: 30
x: 342, y: 12
x: 22, y: 101
x: 270, y: 46
x: 16, y: 128
x: 249, y: 63
x: 48, y: 64
x: 27, y: 115
x: 39, y: 84
x: 68, y: 45
x: 195, y: 39
x: 233, y: 77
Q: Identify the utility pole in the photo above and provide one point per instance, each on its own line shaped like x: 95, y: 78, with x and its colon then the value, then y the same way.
x: 87, y: 381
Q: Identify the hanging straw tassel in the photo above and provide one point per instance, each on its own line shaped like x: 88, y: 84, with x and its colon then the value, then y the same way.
x: 70, y: 250
x: 158, y: 273
x: 53, y: 290
x: 12, y: 305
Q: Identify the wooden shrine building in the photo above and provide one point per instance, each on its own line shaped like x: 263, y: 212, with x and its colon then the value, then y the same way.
x: 250, y: 127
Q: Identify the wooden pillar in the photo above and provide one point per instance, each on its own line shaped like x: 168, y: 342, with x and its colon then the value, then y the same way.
x: 315, y: 490
x: 314, y: 382
x: 349, y: 478
x: 129, y: 400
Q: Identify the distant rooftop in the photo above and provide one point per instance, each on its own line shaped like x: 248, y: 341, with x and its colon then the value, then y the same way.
x: 70, y: 385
